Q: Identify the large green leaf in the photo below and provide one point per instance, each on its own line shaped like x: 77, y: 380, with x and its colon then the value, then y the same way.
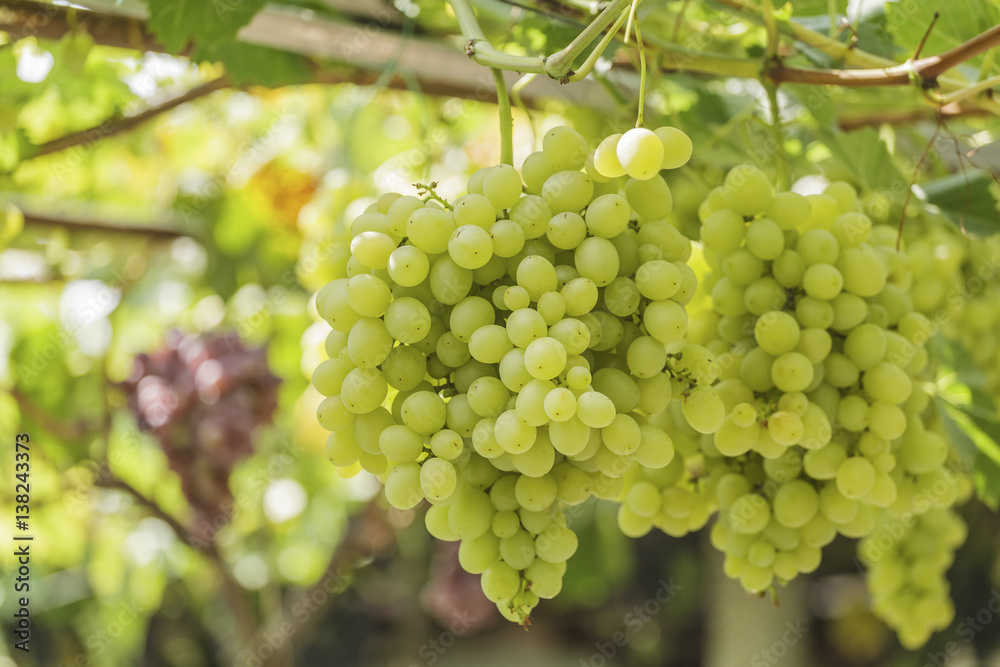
x: 211, y: 26
x: 864, y: 156
x: 966, y: 199
x: 206, y: 22
x: 539, y: 34
x: 246, y: 63
x: 818, y: 100
x: 957, y: 22
x: 871, y: 33
x: 970, y: 418
x: 968, y: 435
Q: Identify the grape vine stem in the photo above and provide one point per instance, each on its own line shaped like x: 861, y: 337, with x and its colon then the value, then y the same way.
x: 773, y: 43
x: 506, y: 119
x: 642, y: 74
x: 40, y: 219
x: 23, y: 18
x: 112, y: 127
x: 591, y: 60
x: 873, y: 70
x: 953, y: 110
x: 771, y: 26
x: 558, y: 65
x: 781, y: 157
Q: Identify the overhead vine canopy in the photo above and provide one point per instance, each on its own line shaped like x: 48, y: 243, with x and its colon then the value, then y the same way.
x: 936, y: 51
x: 853, y: 67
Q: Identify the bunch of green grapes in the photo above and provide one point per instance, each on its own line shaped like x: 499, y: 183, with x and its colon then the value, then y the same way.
x: 978, y: 323
x: 915, y: 537
x: 937, y: 255
x: 676, y: 499
x: 913, y: 544
x: 499, y: 356
x: 954, y: 282
x: 959, y: 291
x: 905, y: 565
x: 818, y: 348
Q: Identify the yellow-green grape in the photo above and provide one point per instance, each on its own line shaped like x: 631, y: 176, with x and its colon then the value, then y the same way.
x: 795, y: 504
x: 789, y: 209
x: 747, y: 190
x: 607, y: 216
x: 677, y: 147
x: 749, y: 514
x: 555, y: 544
x: 500, y: 582
x: 437, y: 479
x: 537, y: 276
x: 567, y: 191
x: 545, y: 579
x: 566, y: 230
x: 597, y: 259
x: 595, y: 409
x: 658, y: 279
x: 651, y: 199
x: 640, y: 153
x: 535, y: 170
x: 508, y: 238
x: 502, y: 186
x: 855, y: 477
x: 472, y: 209
x: 606, y: 157
x: 565, y: 148
x: 703, y: 410
x: 470, y: 246
x: 402, y: 486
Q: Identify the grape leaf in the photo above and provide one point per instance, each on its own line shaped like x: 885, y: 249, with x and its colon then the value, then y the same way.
x: 864, y: 156
x: 967, y: 433
x: 817, y: 100
x: 539, y: 34
x: 969, y: 416
x: 966, y: 199
x: 178, y: 22
x: 957, y: 22
x: 987, y: 156
x: 871, y: 32
x: 212, y: 26
x: 247, y: 63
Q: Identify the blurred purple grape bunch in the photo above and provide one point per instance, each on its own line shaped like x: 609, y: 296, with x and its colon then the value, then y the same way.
x: 203, y: 396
